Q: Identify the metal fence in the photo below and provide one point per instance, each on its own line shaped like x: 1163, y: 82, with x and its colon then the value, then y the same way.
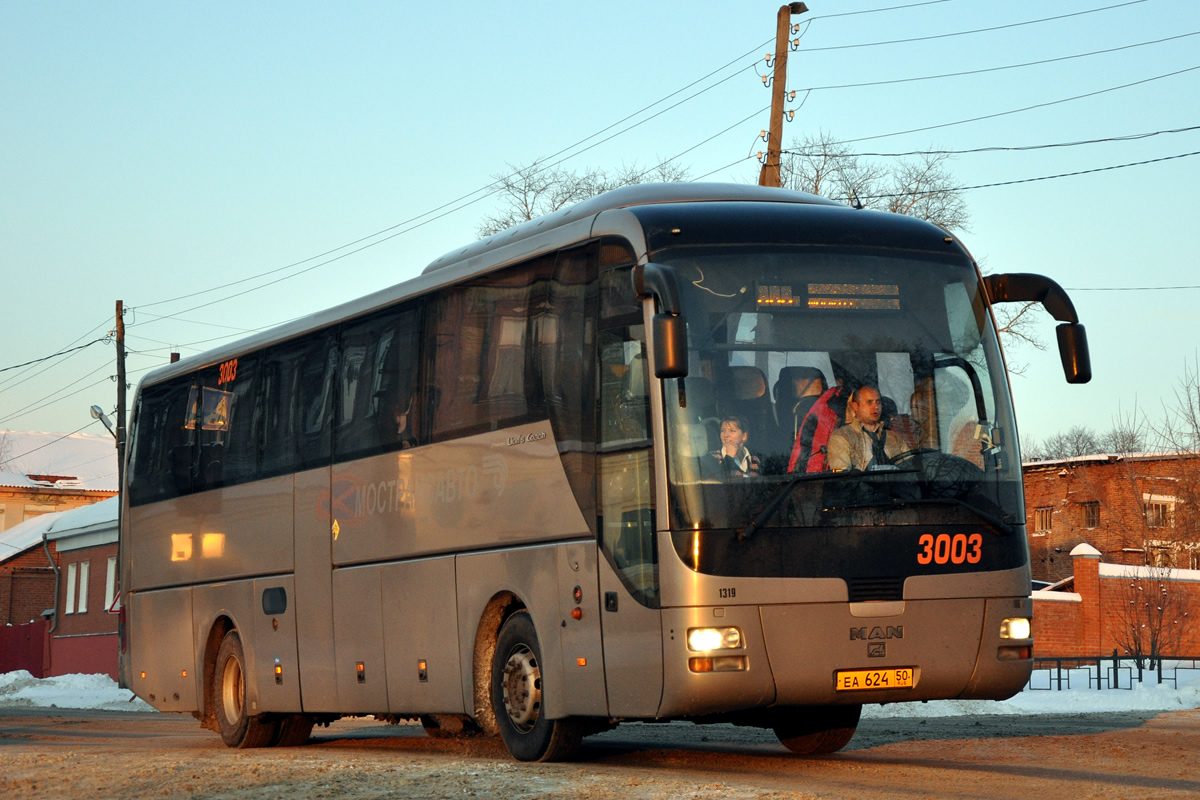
x: 1052, y: 673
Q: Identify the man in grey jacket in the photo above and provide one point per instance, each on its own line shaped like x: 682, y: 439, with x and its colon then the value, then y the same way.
x: 864, y: 442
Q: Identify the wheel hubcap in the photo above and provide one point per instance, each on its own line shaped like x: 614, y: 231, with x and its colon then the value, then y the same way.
x: 522, y: 688
x: 231, y: 691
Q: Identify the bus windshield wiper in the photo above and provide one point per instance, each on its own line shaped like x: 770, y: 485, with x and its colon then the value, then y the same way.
x: 782, y: 493
x: 1007, y: 528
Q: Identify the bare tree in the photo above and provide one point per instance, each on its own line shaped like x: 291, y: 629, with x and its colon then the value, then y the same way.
x: 1080, y: 440
x: 536, y: 189
x: 1152, y: 616
x: 920, y: 187
x: 829, y: 168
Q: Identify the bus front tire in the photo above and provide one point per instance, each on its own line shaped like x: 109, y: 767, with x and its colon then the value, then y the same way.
x: 818, y: 730
x: 517, y: 692
x: 238, y: 729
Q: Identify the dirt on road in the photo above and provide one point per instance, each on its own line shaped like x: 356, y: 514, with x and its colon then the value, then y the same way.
x: 66, y: 754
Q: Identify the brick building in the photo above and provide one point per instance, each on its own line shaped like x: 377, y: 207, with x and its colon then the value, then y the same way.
x: 26, y: 572
x: 23, y: 497
x: 58, y: 587
x: 1133, y: 509
x: 1090, y: 613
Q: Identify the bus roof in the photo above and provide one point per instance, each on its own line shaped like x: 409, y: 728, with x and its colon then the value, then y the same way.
x: 639, y: 195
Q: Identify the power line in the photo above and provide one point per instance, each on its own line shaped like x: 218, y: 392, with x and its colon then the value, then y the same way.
x: 488, y: 189
x: 104, y: 339
x: 1016, y: 148
x: 997, y: 69
x: 1021, y: 110
x: 1045, y: 177
x: 971, y: 32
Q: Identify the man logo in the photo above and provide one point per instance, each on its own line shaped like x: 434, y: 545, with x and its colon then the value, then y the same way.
x: 892, y: 632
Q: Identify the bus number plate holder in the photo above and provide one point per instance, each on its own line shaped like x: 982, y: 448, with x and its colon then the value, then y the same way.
x: 853, y: 680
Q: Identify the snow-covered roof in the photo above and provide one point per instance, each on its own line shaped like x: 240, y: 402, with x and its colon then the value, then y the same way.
x: 89, y: 459
x: 1104, y: 458
x: 97, y: 517
x: 24, y: 535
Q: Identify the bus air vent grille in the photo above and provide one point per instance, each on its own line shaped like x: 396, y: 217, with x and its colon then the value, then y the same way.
x: 867, y: 589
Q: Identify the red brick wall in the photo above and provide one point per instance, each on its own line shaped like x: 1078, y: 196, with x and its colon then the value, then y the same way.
x: 26, y: 586
x: 1091, y: 626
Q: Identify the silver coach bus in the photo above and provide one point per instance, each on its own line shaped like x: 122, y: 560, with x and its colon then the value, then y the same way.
x: 493, y: 497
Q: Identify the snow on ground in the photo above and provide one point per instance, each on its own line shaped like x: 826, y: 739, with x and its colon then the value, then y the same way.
x: 99, y: 692
x: 21, y: 690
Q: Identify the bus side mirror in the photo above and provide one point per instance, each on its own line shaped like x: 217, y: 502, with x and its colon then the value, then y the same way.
x: 670, y: 345
x: 1022, y: 287
x: 1073, y: 349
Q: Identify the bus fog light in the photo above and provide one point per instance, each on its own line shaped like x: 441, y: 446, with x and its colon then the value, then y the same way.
x: 702, y: 640
x: 1015, y: 628
x: 718, y: 664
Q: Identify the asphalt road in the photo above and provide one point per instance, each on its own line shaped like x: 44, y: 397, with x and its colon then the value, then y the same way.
x: 78, y: 754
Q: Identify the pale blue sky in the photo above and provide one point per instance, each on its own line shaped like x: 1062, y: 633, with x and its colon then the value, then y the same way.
x: 153, y: 150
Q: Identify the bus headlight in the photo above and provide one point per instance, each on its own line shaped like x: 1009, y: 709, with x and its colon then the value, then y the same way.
x: 1015, y: 628
x: 702, y: 640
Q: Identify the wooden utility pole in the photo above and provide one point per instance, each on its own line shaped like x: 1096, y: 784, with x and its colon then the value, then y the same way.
x: 769, y: 176
x: 120, y: 396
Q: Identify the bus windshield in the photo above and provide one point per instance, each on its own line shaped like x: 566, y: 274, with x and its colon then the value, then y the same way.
x: 763, y: 435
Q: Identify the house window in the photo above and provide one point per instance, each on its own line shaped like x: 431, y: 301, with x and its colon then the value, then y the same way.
x: 1159, y: 511
x: 72, y: 574
x: 1089, y: 514
x: 110, y: 583
x: 1041, y: 519
x: 84, y: 568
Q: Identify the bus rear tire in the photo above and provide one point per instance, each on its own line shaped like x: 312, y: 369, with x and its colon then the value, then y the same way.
x: 238, y: 729
x: 294, y: 730
x: 817, y: 730
x: 517, y: 691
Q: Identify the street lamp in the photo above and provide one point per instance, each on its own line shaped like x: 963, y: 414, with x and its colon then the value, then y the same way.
x: 98, y: 413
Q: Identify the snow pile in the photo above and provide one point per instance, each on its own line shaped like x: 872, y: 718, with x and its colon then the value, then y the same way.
x: 21, y: 690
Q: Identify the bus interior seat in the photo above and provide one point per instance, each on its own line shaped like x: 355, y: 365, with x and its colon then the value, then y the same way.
x: 746, y: 396
x: 796, y: 390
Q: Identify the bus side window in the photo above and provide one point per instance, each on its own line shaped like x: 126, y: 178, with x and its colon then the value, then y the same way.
x: 376, y: 407
x: 316, y: 366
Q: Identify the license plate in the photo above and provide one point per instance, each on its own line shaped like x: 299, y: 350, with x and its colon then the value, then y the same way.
x: 865, y: 679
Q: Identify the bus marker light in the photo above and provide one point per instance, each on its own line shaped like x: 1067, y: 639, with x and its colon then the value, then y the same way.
x: 361, y: 670
x: 278, y: 671
x: 581, y: 662
x: 422, y: 671
x: 184, y: 673
x: 576, y: 613
x: 1015, y: 628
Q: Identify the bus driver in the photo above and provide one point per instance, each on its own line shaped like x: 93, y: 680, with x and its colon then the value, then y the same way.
x: 864, y: 442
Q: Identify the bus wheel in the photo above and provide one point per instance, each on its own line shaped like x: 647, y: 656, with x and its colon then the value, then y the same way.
x: 815, y: 730
x: 294, y: 730
x: 238, y: 729
x: 517, y: 698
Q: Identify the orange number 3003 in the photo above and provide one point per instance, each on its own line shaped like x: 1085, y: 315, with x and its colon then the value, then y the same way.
x: 946, y: 549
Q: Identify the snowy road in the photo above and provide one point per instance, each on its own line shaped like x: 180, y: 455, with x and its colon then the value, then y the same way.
x: 62, y: 753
